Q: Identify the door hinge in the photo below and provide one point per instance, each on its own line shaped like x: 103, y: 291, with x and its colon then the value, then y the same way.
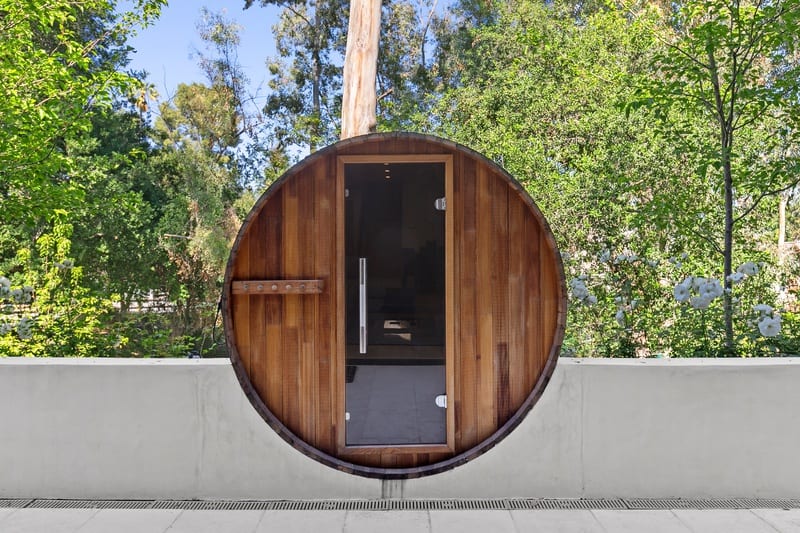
x: 441, y: 204
x: 441, y: 401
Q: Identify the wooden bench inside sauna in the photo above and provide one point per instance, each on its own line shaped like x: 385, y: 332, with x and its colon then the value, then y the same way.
x: 394, y: 305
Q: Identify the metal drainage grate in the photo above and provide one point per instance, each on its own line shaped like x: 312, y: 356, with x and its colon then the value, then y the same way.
x: 410, y: 505
x: 14, y: 504
x: 576, y: 504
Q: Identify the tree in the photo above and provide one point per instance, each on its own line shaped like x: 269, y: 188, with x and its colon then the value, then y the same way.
x: 55, y: 67
x: 359, y: 99
x: 731, y: 65
x: 60, y: 65
x: 304, y: 104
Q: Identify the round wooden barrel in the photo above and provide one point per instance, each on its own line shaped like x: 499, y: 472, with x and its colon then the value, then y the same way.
x: 394, y: 305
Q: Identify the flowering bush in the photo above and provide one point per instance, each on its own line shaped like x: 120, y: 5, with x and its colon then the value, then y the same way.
x: 629, y: 305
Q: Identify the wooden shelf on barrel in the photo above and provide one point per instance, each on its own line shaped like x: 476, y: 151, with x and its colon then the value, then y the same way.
x: 278, y: 286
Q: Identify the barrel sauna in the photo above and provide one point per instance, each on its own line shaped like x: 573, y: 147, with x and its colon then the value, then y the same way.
x: 394, y: 305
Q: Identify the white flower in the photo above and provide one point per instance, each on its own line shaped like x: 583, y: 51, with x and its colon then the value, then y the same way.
x: 710, y: 289
x: 620, y: 318
x: 5, y: 284
x: 590, y: 300
x: 16, y: 294
x: 631, y: 258
x: 770, y: 326
x: 24, y: 328
x: 565, y: 256
x: 579, y: 290
x: 5, y: 327
x: 577, y: 284
x: 699, y: 302
x: 605, y: 256
x: 749, y: 268
x: 687, y: 282
x: 736, y: 277
x: 698, y: 282
x: 653, y: 262
x: 764, y: 309
x: 681, y: 292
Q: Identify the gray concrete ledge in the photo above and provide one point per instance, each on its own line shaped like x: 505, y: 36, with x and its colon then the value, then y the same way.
x: 604, y: 429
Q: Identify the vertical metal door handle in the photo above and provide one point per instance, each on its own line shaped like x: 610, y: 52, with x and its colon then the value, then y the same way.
x: 362, y: 305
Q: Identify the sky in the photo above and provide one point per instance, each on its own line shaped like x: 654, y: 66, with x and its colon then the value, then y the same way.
x: 167, y: 49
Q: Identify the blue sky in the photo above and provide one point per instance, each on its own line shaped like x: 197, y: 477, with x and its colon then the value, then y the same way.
x: 166, y: 49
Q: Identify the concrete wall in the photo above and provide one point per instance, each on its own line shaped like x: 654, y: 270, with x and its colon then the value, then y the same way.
x: 183, y: 429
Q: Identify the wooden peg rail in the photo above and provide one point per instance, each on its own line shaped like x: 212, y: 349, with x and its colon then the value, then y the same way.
x: 278, y: 286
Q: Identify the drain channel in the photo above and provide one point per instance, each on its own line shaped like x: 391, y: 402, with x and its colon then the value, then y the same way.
x: 408, y: 505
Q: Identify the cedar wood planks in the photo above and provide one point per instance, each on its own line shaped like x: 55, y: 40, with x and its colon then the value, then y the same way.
x: 507, y: 298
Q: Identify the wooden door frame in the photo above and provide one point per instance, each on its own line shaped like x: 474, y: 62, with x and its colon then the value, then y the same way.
x: 340, y: 356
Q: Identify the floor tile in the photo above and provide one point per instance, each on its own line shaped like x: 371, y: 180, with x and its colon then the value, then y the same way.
x: 386, y: 522
x: 216, y: 522
x: 131, y: 521
x: 471, y: 521
x: 636, y: 521
x: 722, y: 521
x: 46, y: 520
x: 784, y: 520
x: 302, y: 521
x: 556, y: 521
x: 5, y: 512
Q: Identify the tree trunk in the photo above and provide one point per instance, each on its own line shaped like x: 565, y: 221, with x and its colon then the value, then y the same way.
x: 782, y: 228
x: 316, y: 101
x: 725, y: 119
x: 359, y: 98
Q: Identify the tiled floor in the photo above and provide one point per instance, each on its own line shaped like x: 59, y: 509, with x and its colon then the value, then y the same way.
x: 396, y: 405
x: 31, y: 520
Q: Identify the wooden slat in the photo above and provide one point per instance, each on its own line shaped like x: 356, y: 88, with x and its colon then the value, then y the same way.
x: 517, y: 295
x: 487, y: 413
x: 274, y: 308
x: 533, y: 322
x: 549, y: 306
x: 292, y: 310
x: 339, y: 353
x: 500, y: 298
x: 456, y: 212
x: 257, y: 314
x: 468, y: 253
x: 307, y: 372
x: 241, y: 309
x: 450, y: 298
x: 324, y: 258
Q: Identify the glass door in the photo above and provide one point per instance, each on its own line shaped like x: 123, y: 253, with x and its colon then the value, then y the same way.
x: 395, y: 303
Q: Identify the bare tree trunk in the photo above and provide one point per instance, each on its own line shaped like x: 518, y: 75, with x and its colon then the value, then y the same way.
x: 782, y: 228
x: 359, y: 98
x: 316, y: 101
x: 725, y: 119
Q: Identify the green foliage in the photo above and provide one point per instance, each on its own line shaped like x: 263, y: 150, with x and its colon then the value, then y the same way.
x: 727, y: 93
x: 553, y: 92
x: 56, y: 316
x: 55, y: 64
x: 656, y: 138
